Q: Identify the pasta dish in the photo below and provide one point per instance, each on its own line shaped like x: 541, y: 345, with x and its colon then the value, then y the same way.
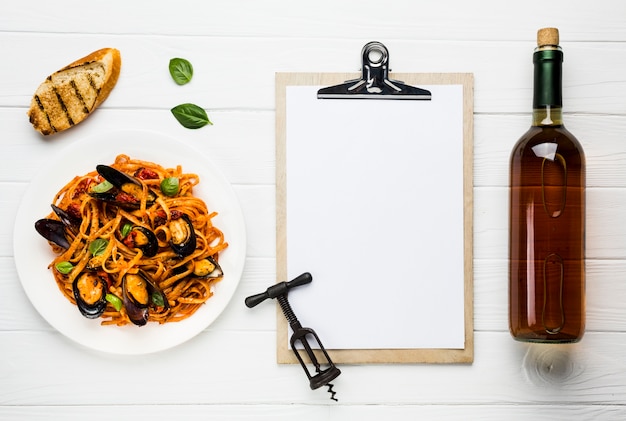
x: 133, y: 244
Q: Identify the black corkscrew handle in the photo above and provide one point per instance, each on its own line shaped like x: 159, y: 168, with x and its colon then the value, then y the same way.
x: 325, y: 370
x: 278, y: 290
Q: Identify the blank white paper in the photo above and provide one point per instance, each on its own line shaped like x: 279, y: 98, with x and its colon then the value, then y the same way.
x: 375, y: 214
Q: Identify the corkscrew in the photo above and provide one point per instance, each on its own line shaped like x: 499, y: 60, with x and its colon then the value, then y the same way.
x: 325, y: 370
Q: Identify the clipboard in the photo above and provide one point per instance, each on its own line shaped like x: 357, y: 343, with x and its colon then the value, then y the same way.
x: 372, y: 89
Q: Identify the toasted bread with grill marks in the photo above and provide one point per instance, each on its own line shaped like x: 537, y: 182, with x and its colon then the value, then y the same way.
x: 71, y: 94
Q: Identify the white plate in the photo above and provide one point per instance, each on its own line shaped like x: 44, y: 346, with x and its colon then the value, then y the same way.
x: 33, y: 254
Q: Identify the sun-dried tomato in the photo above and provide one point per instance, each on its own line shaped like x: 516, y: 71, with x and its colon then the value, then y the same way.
x: 123, y: 197
x: 74, y: 210
x: 82, y: 187
x: 160, y: 218
x: 146, y: 174
x: 129, y: 240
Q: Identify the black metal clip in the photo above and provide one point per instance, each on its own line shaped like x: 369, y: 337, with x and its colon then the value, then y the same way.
x: 325, y: 371
x: 374, y: 82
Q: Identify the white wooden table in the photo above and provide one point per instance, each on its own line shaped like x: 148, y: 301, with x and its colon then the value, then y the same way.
x: 229, y: 371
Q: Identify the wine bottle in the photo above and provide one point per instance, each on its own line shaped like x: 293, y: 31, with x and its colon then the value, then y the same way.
x: 547, y: 214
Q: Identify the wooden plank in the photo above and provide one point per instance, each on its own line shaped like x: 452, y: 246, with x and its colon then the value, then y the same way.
x: 241, y: 143
x: 605, y: 231
x: 600, y: 136
x: 504, y: 372
x: 593, y: 81
x: 606, y: 294
x: 328, y: 19
x: 289, y: 412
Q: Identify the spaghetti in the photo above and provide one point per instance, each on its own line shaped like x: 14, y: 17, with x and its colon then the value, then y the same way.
x: 113, y: 249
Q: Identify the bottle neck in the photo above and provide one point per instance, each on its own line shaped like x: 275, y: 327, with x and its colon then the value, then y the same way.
x: 547, y: 92
x: 547, y: 116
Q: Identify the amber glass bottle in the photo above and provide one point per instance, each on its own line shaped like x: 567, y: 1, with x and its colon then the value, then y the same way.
x: 547, y: 214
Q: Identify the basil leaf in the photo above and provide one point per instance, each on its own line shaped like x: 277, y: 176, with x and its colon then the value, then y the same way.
x: 181, y: 70
x: 102, y: 187
x: 114, y: 300
x: 191, y: 116
x: 64, y: 267
x: 126, y: 229
x: 97, y: 246
x: 157, y: 299
x: 170, y: 186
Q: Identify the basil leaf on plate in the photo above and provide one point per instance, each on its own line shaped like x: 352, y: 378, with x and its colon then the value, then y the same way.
x: 157, y: 299
x: 98, y: 246
x: 105, y: 186
x: 181, y: 70
x: 191, y: 116
x: 126, y: 229
x: 170, y: 186
x: 114, y: 300
x: 64, y: 267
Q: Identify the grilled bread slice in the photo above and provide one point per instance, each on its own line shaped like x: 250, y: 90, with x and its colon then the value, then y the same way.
x: 71, y: 94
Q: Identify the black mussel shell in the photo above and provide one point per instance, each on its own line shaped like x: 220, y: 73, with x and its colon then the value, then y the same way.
x: 183, y: 240
x: 116, y: 177
x: 54, y: 231
x: 136, y: 298
x: 207, y: 268
x: 69, y: 220
x: 127, y: 190
x: 139, y: 294
x: 90, y: 293
x: 145, y: 240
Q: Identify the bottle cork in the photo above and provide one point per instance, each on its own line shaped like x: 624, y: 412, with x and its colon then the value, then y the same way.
x: 547, y: 36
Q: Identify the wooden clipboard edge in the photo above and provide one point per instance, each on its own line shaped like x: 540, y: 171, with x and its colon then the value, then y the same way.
x: 379, y: 356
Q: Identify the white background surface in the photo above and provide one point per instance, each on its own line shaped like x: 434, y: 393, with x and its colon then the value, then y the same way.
x: 229, y: 370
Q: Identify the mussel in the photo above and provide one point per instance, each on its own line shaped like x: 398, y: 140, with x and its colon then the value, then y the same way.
x: 70, y: 221
x: 183, y: 240
x: 53, y: 231
x: 139, y: 295
x: 127, y: 191
x: 143, y: 239
x: 57, y: 231
x: 90, y: 291
x: 207, y: 268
